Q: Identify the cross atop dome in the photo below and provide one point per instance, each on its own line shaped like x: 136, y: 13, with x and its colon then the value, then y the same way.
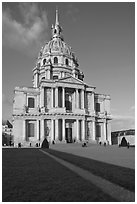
x: 56, y: 30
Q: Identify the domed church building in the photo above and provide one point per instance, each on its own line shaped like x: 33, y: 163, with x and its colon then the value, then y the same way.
x: 60, y: 106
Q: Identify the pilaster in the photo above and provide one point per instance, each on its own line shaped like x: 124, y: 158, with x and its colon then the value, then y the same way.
x: 52, y: 98
x: 105, y: 134
x: 42, y: 130
x: 63, y: 130
x: 108, y: 132
x: 24, y: 130
x: 56, y: 97
x: 93, y: 130
x: 83, y: 130
x: 82, y: 99
x: 52, y: 129
x: 77, y: 128
x: 56, y: 129
x: 63, y: 97
x: 37, y: 129
x: 77, y: 99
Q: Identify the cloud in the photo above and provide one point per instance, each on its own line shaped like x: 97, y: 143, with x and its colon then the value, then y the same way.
x: 28, y: 34
x: 121, y: 122
x: 122, y: 117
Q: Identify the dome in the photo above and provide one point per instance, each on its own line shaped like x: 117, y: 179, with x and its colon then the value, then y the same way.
x: 56, y: 59
x: 58, y: 47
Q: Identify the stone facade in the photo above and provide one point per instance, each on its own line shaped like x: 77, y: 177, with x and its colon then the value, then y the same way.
x: 59, y: 106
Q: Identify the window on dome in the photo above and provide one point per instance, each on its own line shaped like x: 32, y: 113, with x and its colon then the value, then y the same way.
x: 31, y: 103
x: 55, y: 31
x: 44, y: 61
x: 55, y: 60
x: 55, y: 77
x: 67, y: 62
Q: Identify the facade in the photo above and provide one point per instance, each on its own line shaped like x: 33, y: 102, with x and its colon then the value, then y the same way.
x: 117, y: 136
x: 60, y: 106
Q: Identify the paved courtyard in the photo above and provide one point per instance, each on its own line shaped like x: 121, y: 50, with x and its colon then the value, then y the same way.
x: 110, y: 154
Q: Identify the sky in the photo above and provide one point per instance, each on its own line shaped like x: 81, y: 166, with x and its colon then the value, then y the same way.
x: 101, y: 34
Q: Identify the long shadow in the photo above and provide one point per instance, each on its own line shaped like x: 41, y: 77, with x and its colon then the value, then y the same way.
x: 122, y: 176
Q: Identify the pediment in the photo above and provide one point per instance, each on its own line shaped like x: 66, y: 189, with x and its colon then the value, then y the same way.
x: 71, y: 80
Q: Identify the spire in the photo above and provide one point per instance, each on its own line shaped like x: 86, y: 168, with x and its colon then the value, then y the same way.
x: 57, y: 18
x: 56, y: 30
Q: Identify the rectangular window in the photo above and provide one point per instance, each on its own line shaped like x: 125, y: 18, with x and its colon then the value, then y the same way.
x: 97, y: 107
x: 31, y: 127
x: 31, y: 102
x: 98, y: 130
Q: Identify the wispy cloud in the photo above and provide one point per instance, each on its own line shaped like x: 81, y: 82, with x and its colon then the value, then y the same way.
x: 27, y: 34
x: 122, y: 117
x: 121, y: 122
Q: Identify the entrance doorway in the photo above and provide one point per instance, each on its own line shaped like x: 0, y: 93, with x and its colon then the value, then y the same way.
x: 69, y: 135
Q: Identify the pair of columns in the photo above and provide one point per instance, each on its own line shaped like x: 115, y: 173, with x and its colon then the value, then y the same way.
x: 56, y: 97
x: 82, y: 133
x: 55, y: 129
x: 80, y: 96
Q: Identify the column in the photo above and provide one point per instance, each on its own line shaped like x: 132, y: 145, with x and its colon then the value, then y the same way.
x: 37, y: 129
x: 63, y: 97
x: 83, y: 130
x: 63, y: 130
x: 42, y: 130
x: 82, y: 99
x: 93, y: 103
x: 56, y: 97
x: 105, y: 135
x: 52, y: 129
x: 93, y: 130
x: 52, y: 97
x: 77, y: 128
x: 24, y: 130
x: 77, y: 99
x: 56, y: 129
x: 109, y: 132
x: 42, y: 97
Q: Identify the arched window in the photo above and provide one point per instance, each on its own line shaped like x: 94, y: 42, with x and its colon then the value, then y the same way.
x: 55, y: 60
x: 31, y: 103
x: 44, y: 61
x: 67, y: 62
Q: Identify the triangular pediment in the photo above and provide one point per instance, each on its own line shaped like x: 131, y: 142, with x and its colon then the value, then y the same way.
x: 71, y: 80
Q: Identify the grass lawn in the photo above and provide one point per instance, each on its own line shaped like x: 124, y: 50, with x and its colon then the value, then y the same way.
x: 122, y: 176
x: 28, y: 175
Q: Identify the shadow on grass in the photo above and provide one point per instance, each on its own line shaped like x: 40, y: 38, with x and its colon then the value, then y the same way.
x: 122, y: 176
x: 28, y: 175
